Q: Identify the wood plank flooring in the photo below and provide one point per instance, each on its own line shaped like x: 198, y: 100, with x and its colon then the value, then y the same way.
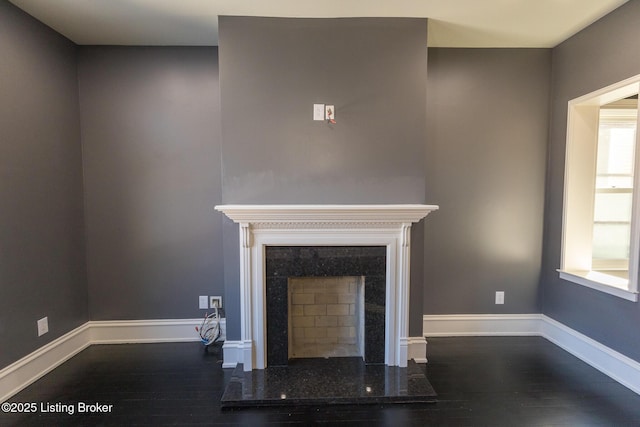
x: 480, y: 381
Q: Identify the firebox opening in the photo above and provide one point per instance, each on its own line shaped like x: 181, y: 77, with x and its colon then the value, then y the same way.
x: 326, y: 316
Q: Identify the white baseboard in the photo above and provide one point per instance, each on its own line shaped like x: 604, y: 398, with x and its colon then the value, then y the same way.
x: 417, y: 349
x: 451, y: 325
x: 32, y: 367
x: 619, y: 367
x: 147, y: 331
x: 232, y: 353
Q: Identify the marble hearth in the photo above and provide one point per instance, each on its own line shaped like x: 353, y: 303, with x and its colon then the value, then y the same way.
x: 325, y: 240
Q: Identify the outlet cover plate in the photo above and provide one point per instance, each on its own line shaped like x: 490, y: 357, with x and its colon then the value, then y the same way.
x: 215, y: 301
x: 329, y: 112
x: 499, y: 297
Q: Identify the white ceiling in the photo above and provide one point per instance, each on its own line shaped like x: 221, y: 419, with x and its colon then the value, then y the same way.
x: 453, y: 23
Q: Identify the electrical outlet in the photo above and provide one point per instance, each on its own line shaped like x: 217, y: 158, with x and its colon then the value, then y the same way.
x: 43, y: 326
x: 203, y: 302
x: 215, y: 302
x: 499, y: 297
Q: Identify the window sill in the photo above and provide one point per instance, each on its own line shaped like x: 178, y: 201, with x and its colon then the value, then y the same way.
x: 611, y: 285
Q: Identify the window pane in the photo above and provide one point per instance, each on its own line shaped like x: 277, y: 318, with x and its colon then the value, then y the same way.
x: 611, y: 241
x: 613, y: 207
x: 615, y: 148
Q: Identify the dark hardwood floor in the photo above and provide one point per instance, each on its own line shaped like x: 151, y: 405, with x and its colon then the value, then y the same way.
x: 480, y: 381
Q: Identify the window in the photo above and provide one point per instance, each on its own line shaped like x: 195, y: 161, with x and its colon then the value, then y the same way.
x: 614, y: 186
x: 601, y: 237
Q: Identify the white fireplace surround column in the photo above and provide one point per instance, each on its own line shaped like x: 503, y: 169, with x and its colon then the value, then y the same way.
x: 324, y: 225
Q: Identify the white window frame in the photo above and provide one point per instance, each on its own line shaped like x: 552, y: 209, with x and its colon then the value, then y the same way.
x: 579, y: 190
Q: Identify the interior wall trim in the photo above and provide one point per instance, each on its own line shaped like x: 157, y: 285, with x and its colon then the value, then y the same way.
x: 452, y: 325
x: 233, y: 351
x: 617, y: 366
x: 417, y: 349
x: 147, y: 331
x: 35, y: 365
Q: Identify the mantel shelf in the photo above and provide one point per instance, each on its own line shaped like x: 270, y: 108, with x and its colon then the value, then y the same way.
x: 399, y: 213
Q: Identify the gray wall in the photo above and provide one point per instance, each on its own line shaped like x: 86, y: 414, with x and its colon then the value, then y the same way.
x: 604, y: 53
x: 155, y: 165
x: 150, y: 134
x: 487, y: 116
x: 42, y: 259
x: 273, y: 70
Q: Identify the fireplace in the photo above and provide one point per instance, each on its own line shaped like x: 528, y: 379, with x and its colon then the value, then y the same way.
x: 334, y: 239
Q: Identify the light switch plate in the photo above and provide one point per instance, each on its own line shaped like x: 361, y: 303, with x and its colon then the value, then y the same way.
x: 318, y: 111
x: 203, y: 302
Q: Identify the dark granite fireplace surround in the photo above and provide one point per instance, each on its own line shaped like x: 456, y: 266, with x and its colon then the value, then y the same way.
x: 283, y: 262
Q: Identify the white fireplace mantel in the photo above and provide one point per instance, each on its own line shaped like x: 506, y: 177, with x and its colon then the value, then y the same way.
x: 324, y: 225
